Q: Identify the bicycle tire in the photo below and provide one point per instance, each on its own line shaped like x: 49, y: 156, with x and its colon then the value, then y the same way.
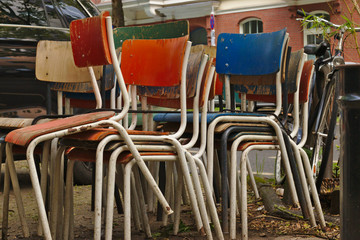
x: 329, y: 140
x: 325, y: 129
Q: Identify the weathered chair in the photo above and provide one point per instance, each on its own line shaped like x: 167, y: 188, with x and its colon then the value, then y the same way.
x: 152, y: 77
x: 236, y: 64
x: 97, y: 52
x: 48, y: 69
x: 267, y: 143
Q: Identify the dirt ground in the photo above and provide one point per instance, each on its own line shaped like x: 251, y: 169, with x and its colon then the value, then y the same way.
x: 261, y: 225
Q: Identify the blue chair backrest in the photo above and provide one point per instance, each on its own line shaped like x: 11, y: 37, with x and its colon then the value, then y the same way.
x: 249, y: 54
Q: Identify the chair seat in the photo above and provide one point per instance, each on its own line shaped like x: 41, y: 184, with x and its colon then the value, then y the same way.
x: 245, y: 145
x: 91, y: 138
x: 13, y: 123
x: 175, y: 117
x: 23, y: 136
x: 98, y: 134
x: 85, y: 155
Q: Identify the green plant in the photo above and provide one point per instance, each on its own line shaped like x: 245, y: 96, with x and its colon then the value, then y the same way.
x: 259, y: 165
x: 350, y: 12
x: 336, y: 170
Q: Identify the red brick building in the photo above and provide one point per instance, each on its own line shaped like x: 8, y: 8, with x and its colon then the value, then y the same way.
x: 234, y: 16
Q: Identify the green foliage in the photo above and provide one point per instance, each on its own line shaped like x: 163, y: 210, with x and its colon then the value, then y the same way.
x: 336, y: 170
x: 259, y: 165
x: 315, y: 22
x: 165, y: 232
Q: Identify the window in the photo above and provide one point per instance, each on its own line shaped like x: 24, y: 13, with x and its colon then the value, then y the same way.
x: 71, y: 10
x: 314, y: 35
x: 26, y: 12
x: 251, y: 25
x: 198, y: 36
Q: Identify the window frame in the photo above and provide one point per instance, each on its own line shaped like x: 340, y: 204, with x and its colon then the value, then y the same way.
x: 241, y: 24
x: 313, y: 31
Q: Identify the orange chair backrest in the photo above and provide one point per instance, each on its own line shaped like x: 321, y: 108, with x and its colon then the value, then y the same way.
x: 153, y: 62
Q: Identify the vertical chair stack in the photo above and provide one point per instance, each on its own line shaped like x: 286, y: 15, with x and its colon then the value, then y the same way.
x: 156, y: 65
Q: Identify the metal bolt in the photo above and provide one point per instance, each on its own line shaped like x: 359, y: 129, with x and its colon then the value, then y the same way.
x: 226, y: 65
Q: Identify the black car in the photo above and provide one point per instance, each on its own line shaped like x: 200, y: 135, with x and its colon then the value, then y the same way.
x: 22, y: 24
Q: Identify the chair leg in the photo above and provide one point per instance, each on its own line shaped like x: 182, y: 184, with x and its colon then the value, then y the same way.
x: 313, y: 189
x: 6, y: 196
x: 2, y: 148
x: 177, y: 205
x: 144, y: 216
x: 56, y: 205
x: 199, y: 195
x: 127, y: 199
x: 304, y: 183
x: 16, y: 188
x: 168, y: 187
x: 252, y: 179
x: 162, y: 180
x: 37, y: 190
x: 209, y: 198
x: 194, y: 204
x: 150, y: 194
x: 244, y: 226
x: 68, y: 200
x: 135, y: 206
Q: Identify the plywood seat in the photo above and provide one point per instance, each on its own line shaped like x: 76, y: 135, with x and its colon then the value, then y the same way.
x: 23, y: 136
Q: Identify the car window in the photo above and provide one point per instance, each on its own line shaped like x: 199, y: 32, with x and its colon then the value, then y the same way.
x: 89, y: 5
x: 53, y: 15
x: 71, y: 10
x: 25, y: 12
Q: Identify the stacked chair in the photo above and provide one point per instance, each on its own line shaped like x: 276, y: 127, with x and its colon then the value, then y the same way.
x: 235, y: 58
x: 303, y: 166
x: 134, y: 52
x: 156, y: 80
x: 243, y: 69
x: 161, y: 69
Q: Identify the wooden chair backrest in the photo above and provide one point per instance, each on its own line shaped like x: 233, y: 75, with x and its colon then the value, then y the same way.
x: 306, y: 75
x: 156, y: 31
x: 153, y: 62
x: 89, y: 41
x: 55, y: 63
x: 251, y: 60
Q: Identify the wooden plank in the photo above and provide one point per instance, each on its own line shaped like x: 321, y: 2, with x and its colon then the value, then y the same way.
x: 155, y: 31
x: 55, y: 63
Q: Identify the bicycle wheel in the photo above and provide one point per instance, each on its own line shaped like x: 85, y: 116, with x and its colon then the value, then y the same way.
x: 324, y: 131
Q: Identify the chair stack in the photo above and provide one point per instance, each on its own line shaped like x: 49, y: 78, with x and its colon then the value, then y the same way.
x: 160, y: 69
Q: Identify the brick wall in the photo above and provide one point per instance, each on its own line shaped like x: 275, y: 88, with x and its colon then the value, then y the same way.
x: 276, y: 19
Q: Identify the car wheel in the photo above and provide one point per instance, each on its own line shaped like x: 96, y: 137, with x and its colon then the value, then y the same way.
x: 83, y: 173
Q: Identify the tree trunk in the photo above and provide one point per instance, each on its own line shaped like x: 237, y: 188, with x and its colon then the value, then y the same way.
x: 117, y: 13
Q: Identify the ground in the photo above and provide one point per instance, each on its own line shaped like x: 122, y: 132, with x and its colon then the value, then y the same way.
x: 261, y: 225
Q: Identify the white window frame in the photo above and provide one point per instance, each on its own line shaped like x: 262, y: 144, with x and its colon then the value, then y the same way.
x: 313, y: 31
x: 241, y: 25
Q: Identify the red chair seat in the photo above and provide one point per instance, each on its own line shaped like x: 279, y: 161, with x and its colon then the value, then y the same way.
x: 23, y: 136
